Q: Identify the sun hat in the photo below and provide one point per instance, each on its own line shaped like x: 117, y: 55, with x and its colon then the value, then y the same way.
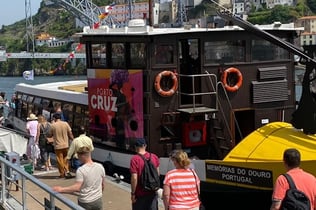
x: 32, y: 117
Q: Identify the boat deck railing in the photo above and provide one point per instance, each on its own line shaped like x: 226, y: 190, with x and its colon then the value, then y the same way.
x: 209, y: 90
x: 14, y: 175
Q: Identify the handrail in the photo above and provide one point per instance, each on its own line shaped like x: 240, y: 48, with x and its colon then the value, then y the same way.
x: 194, y: 93
x: 230, y: 108
x: 7, y: 166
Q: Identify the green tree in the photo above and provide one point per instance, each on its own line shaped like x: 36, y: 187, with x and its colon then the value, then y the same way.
x: 280, y: 13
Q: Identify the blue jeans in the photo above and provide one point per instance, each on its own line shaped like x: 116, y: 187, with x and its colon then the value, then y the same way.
x: 75, y: 163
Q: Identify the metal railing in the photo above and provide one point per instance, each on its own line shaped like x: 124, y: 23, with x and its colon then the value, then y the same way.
x: 210, y: 81
x: 11, y: 174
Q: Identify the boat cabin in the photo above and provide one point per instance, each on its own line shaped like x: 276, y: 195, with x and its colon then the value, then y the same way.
x: 199, y: 89
x: 44, y: 99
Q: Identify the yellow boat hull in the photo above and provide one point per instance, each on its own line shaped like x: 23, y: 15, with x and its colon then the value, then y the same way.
x: 256, y: 161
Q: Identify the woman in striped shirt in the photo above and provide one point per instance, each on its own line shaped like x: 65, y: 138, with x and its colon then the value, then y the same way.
x: 181, y: 185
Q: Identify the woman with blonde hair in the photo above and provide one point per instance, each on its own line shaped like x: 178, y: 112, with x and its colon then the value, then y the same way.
x: 43, y: 141
x: 181, y: 185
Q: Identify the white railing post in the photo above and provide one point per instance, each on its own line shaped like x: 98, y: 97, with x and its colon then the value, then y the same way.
x: 3, y: 196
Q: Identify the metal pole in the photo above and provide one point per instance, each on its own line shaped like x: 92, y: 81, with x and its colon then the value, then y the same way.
x: 150, y: 13
x: 23, y: 193
x: 3, y: 181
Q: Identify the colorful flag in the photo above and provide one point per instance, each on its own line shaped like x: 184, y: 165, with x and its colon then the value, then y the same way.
x: 72, y: 54
x: 109, y: 7
x: 103, y: 15
x: 28, y: 75
x: 96, y: 25
x: 79, y: 46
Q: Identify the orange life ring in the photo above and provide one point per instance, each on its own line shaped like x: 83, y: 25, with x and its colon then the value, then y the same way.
x: 238, y: 84
x: 172, y: 90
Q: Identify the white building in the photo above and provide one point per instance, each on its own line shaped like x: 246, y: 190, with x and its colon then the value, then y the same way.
x: 238, y: 7
x: 273, y: 3
x: 308, y: 37
x: 121, y: 13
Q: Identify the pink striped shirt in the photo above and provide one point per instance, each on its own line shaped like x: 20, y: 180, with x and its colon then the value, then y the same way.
x: 183, y: 189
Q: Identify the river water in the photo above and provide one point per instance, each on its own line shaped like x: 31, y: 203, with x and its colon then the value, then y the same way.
x: 7, y: 84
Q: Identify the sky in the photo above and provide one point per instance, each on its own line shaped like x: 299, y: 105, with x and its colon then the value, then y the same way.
x: 12, y: 11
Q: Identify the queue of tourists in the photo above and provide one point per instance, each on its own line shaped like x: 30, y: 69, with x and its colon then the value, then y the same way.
x: 75, y: 153
x: 54, y: 137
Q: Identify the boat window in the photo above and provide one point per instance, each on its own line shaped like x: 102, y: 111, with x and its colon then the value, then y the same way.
x: 30, y: 99
x: 23, y: 111
x: 37, y: 108
x: 98, y: 55
x: 37, y: 100
x: 263, y: 50
x: 79, y: 120
x: 118, y: 55
x: 68, y: 113
x: 78, y: 109
x: 46, y: 103
x: 18, y: 96
x: 224, y: 51
x: 189, y: 65
x: 24, y: 97
x: 137, y: 53
x: 163, y: 54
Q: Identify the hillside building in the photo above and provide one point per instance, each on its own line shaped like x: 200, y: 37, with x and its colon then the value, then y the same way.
x: 50, y: 41
x: 308, y: 37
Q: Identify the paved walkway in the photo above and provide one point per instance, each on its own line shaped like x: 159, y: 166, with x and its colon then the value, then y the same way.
x: 116, y: 196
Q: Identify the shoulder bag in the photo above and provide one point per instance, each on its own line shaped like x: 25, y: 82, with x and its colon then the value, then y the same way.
x: 202, y: 207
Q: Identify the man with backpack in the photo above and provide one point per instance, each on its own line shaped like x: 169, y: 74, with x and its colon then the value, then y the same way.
x: 142, y: 197
x: 282, y: 197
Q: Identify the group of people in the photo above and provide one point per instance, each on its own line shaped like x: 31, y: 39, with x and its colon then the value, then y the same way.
x: 181, y: 185
x: 55, y: 137
x: 5, y: 107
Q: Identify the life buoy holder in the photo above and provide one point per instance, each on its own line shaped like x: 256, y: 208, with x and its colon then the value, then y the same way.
x: 172, y: 90
x: 229, y: 87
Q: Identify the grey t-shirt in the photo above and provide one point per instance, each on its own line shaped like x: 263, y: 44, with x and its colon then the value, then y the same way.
x: 91, y: 176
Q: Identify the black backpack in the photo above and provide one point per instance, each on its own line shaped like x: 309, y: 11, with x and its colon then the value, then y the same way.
x: 149, y: 178
x: 43, y: 134
x: 294, y: 199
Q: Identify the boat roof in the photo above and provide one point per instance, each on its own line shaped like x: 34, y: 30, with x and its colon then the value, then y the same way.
x: 68, y: 91
x: 147, y: 30
x: 269, y: 142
